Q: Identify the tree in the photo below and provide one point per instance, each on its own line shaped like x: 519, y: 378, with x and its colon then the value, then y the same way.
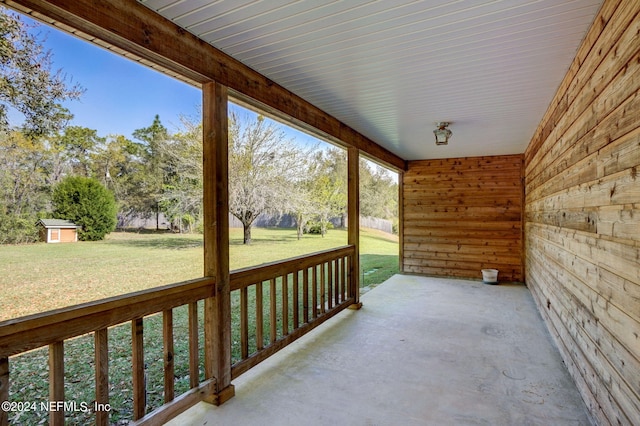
x: 181, y: 198
x: 116, y: 162
x: 263, y: 165
x: 378, y: 192
x: 154, y: 139
x: 328, y: 187
x: 302, y: 205
x: 78, y: 144
x: 23, y: 175
x: 27, y: 83
x: 87, y: 203
x: 24, y: 191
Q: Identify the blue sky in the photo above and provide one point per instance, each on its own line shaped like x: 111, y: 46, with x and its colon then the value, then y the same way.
x: 122, y: 95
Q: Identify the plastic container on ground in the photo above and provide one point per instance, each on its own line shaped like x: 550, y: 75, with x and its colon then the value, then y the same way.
x: 490, y: 276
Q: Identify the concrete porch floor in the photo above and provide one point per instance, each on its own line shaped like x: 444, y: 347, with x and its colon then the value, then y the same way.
x: 421, y: 351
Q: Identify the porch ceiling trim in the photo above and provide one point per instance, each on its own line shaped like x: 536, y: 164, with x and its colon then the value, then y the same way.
x: 134, y: 28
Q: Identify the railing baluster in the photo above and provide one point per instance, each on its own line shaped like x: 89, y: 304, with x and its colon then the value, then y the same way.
x: 259, y: 318
x: 4, y: 389
x: 338, y: 283
x: 167, y: 337
x: 285, y: 304
x: 101, y: 343
x: 343, y: 278
x: 194, y: 356
x: 314, y: 291
x: 296, y: 301
x: 272, y: 310
x: 244, y: 323
x: 305, y: 295
x: 56, y: 381
x: 330, y: 284
x: 323, y: 290
x: 137, y: 361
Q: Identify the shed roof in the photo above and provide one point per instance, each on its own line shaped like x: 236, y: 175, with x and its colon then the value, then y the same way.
x: 57, y: 223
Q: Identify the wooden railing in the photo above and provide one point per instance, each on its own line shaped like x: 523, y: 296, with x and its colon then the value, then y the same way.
x: 287, y: 299
x: 53, y: 328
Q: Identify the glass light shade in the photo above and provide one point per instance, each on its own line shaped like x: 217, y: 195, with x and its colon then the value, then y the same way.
x: 442, y: 135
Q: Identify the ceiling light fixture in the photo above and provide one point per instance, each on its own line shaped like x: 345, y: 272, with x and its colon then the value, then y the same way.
x: 442, y: 133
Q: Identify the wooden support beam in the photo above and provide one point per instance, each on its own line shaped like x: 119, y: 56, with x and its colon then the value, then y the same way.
x: 216, y: 239
x: 134, y: 28
x: 401, y: 220
x: 353, y: 217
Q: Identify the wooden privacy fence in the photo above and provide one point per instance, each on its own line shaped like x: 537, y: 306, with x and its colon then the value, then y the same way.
x: 287, y: 300
x: 272, y: 305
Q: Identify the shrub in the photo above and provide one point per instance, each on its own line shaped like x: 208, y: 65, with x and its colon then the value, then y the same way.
x: 316, y: 228
x: 87, y: 203
x: 18, y: 229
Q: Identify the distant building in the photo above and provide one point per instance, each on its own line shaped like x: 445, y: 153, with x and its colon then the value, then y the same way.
x: 58, y: 231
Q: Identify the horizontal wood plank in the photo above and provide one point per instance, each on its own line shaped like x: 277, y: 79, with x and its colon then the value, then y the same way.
x: 462, y: 215
x: 582, y: 216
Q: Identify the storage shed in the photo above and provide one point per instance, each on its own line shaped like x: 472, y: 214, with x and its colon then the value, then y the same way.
x: 58, y: 231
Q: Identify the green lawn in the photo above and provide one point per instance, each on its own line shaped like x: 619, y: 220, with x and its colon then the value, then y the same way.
x: 40, y: 277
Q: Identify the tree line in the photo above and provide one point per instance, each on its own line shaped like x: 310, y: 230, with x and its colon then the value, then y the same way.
x: 48, y: 163
x: 161, y: 172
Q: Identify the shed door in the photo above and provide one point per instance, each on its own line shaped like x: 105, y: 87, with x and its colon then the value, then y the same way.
x: 55, y: 235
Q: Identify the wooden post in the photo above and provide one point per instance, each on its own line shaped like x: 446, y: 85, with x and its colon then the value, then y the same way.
x: 353, y: 216
x: 4, y: 389
x: 401, y: 220
x: 216, y: 239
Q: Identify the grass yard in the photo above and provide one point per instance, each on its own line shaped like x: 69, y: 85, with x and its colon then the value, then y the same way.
x: 41, y: 277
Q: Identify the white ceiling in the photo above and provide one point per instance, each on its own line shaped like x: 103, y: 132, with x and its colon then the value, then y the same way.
x: 391, y: 69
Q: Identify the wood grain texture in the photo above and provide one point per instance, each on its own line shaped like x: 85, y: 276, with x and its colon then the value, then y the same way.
x: 138, y: 369
x: 4, y: 389
x: 216, y: 236
x: 56, y: 382
x: 168, y: 354
x: 353, y: 217
x: 30, y: 332
x: 101, y: 343
x: 462, y: 215
x: 194, y: 347
x: 582, y: 216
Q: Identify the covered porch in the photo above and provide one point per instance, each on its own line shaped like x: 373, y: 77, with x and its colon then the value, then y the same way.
x: 557, y: 210
x: 420, y: 351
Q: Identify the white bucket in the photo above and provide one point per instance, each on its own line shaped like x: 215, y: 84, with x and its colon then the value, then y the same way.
x: 490, y: 276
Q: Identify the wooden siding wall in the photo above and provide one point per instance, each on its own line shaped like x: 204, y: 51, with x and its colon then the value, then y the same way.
x: 582, y: 216
x: 462, y: 215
